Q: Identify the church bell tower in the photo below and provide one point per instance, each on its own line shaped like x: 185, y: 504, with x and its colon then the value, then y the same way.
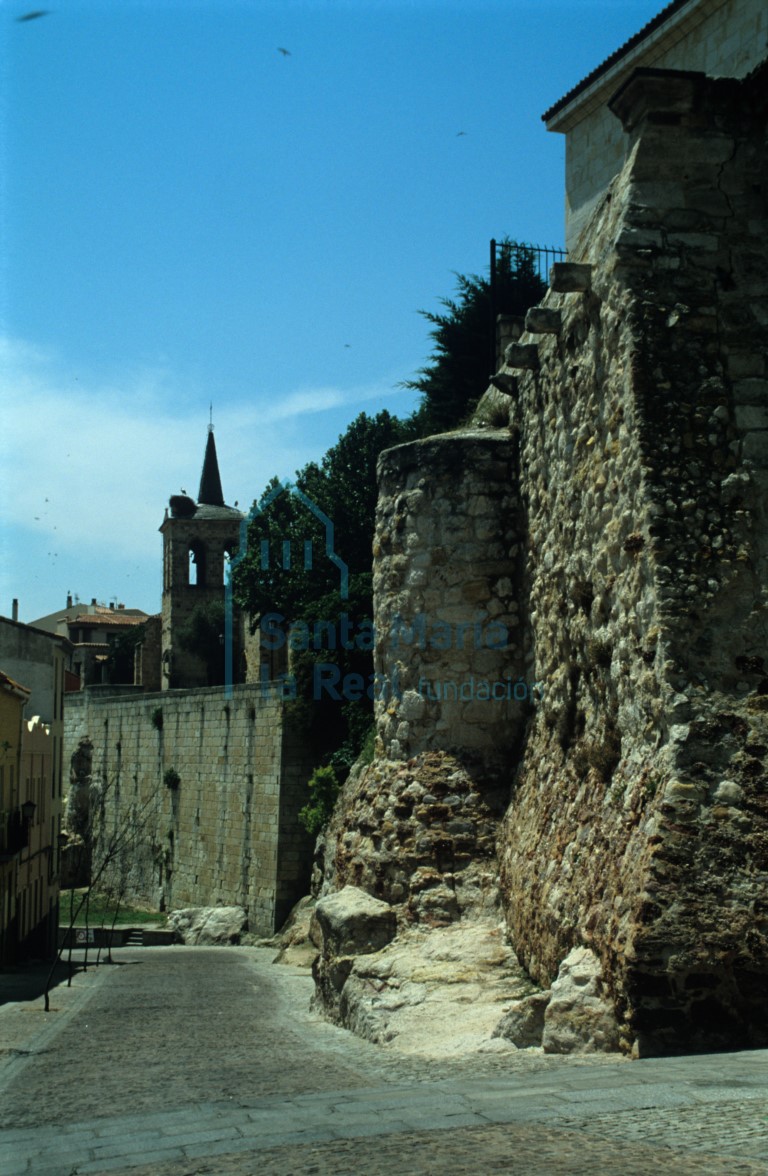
x: 198, y: 540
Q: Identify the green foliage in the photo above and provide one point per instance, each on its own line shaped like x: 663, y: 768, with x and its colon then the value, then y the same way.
x: 344, y: 487
x: 368, y: 749
x: 122, y: 652
x: 323, y: 789
x: 171, y: 778
x: 203, y: 635
x: 103, y: 907
x: 156, y: 718
x: 464, y: 336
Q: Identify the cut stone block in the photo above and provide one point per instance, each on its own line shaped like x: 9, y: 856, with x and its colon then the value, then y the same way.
x: 540, y: 320
x: 522, y: 355
x: 505, y: 383
x: 570, y: 277
x: 352, y: 922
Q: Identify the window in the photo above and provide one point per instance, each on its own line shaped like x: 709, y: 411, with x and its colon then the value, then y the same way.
x: 197, y: 565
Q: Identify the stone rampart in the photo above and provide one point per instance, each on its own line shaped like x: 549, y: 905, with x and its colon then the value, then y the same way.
x: 212, y: 786
x: 637, y: 405
x: 449, y: 649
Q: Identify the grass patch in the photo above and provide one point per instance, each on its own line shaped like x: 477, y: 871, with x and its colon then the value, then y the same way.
x: 101, y: 911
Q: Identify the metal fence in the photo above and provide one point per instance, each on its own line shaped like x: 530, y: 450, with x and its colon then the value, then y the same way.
x: 540, y: 257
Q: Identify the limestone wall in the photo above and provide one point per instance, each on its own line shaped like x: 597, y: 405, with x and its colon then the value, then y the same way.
x: 227, y: 833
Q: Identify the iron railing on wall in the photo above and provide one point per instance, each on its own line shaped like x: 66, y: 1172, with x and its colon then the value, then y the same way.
x: 541, y: 257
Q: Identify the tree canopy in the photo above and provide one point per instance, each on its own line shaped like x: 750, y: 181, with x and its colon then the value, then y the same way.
x: 464, y: 337
x: 306, y: 581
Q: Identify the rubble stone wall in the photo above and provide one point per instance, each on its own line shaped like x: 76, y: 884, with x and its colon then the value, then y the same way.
x: 639, y: 820
x: 449, y: 650
x: 636, y: 443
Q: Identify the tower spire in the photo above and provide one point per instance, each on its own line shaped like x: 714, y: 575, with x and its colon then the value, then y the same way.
x: 210, y: 492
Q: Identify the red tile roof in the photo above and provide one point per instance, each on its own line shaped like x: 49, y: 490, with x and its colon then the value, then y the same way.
x: 108, y: 617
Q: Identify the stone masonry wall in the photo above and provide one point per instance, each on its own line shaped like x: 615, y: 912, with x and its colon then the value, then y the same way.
x: 719, y: 37
x: 636, y: 402
x: 228, y: 833
x: 639, y: 820
x: 446, y: 585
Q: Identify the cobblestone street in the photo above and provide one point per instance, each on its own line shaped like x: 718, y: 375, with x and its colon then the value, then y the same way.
x: 192, y: 1060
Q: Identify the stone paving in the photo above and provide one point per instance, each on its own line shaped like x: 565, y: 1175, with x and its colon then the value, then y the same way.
x: 192, y: 1060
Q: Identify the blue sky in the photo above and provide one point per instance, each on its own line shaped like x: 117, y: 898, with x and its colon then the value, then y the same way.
x: 189, y: 215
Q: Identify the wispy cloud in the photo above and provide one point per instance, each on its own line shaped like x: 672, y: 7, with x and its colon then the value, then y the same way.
x: 307, y: 401
x: 90, y: 461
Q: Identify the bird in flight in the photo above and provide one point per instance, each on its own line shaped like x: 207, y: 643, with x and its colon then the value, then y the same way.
x: 285, y: 52
x: 33, y: 15
x: 460, y: 133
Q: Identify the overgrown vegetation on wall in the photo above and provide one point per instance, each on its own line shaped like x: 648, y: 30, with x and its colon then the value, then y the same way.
x: 464, y: 337
x: 203, y: 635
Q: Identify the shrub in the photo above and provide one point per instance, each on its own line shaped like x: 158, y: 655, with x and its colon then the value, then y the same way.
x: 323, y: 790
x: 171, y: 778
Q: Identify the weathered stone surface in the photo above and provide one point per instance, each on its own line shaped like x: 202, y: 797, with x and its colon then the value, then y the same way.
x: 436, y: 824
x: 569, y: 277
x: 209, y: 926
x: 352, y: 922
x: 523, y: 1025
x: 447, y: 653
x: 542, y: 320
x: 294, y: 939
x: 228, y: 835
x: 522, y: 356
x: 410, y: 991
x: 578, y: 1017
x: 646, y: 531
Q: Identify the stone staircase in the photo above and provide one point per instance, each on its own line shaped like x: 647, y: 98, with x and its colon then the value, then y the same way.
x: 135, y: 938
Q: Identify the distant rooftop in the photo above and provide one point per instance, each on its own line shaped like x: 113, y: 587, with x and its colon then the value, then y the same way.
x: 7, y: 683
x: 109, y: 617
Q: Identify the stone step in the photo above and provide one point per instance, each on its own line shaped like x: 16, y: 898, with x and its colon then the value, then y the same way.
x: 524, y: 356
x: 541, y: 320
x: 570, y: 277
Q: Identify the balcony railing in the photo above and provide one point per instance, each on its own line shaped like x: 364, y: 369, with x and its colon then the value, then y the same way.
x: 528, y: 260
